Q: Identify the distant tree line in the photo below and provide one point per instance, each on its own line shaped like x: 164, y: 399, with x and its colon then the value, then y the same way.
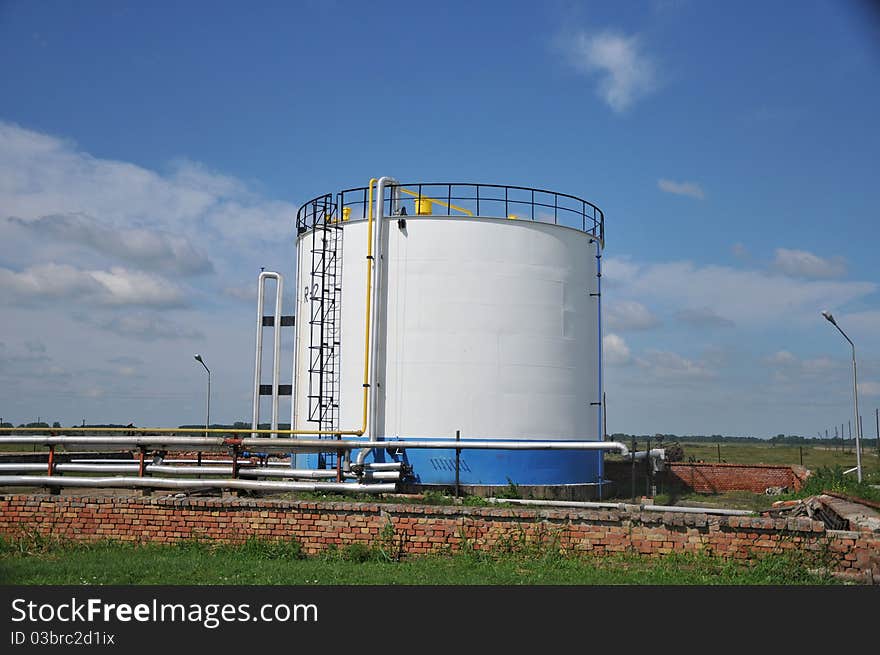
x: 783, y: 439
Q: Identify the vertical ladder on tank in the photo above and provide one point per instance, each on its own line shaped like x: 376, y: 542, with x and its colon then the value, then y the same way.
x: 324, y: 296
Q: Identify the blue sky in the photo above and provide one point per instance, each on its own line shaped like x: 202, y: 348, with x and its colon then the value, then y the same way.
x: 152, y: 156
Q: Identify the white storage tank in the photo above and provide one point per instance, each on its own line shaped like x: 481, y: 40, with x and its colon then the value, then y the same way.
x: 484, y: 319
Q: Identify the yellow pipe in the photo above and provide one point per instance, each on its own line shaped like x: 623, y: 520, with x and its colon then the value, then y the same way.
x: 357, y: 433
x: 369, y: 300
x: 439, y: 202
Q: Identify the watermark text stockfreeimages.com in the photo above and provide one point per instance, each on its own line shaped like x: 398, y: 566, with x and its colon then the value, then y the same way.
x: 208, y: 615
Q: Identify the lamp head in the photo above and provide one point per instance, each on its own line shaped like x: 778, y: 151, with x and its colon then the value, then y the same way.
x: 198, y: 358
x: 828, y: 317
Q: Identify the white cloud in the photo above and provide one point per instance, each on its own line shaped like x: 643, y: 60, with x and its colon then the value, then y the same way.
x: 869, y: 388
x: 787, y: 364
x: 615, y: 351
x: 625, y: 72
x: 126, y: 360
x: 781, y: 358
x: 739, y: 250
x: 668, y: 365
x: 35, y: 346
x: 629, y: 315
x: 117, y: 286
x: 41, y: 175
x: 105, y: 258
x: 800, y: 263
x: 703, y: 317
x: 746, y: 297
x: 143, y: 326
x: 681, y: 188
x: 152, y: 249
x: 617, y: 272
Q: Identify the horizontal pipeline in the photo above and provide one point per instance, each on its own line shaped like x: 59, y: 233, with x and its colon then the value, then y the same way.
x: 169, y: 483
x: 244, y: 472
x: 314, y: 445
x: 173, y: 460
x: 625, y: 506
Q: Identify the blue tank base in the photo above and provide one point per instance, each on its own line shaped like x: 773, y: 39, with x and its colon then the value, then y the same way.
x: 506, y: 467
x: 542, y: 474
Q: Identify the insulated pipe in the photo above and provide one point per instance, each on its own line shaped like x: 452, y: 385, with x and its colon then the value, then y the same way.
x: 368, y: 300
x: 378, y: 256
x: 323, y: 474
x: 601, y: 413
x: 168, y: 483
x: 315, y: 474
x: 276, y: 356
x: 376, y: 475
x: 625, y: 506
x: 121, y: 468
x: 205, y: 462
x: 296, y: 331
x: 316, y: 445
x: 493, y: 444
x: 383, y: 466
x: 251, y: 472
x: 655, y: 453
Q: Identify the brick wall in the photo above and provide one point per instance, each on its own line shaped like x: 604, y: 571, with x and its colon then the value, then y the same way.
x: 422, y: 529
x: 707, y: 478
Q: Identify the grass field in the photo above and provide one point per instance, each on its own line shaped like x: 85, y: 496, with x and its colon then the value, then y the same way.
x: 813, y: 457
x: 26, y: 563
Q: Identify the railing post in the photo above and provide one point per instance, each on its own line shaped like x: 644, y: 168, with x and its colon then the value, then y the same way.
x: 51, y: 459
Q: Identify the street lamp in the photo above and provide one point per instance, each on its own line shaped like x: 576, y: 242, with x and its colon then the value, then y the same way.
x: 831, y: 320
x: 199, y: 359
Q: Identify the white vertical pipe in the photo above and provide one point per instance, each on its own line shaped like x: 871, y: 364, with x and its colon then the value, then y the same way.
x: 276, y: 357
x: 258, y: 356
x: 296, y: 288
x: 378, y: 281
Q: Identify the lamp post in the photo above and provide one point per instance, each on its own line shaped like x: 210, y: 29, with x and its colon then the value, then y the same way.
x: 831, y: 320
x: 199, y: 359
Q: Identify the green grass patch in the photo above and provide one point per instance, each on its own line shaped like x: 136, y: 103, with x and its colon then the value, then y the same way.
x: 833, y: 479
x: 814, y: 457
x: 29, y: 561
